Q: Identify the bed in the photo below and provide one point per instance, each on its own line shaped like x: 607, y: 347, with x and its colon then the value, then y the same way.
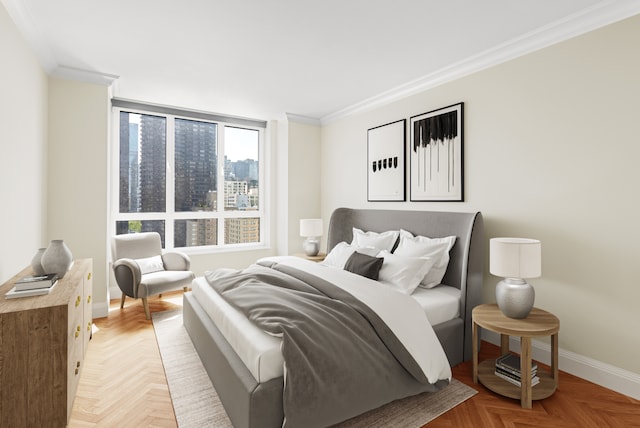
x: 249, y: 387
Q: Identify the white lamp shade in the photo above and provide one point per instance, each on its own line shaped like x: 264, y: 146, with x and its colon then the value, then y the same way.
x: 311, y: 227
x: 515, y: 257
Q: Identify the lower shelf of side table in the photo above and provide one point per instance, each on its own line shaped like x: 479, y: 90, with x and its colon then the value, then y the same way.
x: 487, y: 377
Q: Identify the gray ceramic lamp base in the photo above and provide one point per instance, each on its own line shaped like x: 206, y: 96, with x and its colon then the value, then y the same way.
x: 515, y: 297
x: 311, y: 247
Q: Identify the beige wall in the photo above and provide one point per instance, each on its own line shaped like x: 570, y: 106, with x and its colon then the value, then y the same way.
x: 77, y: 176
x: 551, y: 152
x: 23, y: 139
x: 303, y: 180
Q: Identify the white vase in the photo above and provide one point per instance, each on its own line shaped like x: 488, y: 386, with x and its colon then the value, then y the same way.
x: 36, y: 262
x: 57, y: 258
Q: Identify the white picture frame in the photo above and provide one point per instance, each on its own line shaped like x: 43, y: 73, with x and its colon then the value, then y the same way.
x: 386, y: 162
x: 437, y: 155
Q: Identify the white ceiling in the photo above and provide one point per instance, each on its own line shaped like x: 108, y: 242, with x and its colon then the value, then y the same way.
x: 314, y: 59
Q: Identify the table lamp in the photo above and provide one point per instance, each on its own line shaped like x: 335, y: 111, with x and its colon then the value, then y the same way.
x: 515, y: 259
x: 311, y: 228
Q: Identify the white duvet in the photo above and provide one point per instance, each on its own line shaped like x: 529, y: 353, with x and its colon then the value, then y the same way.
x: 400, y: 312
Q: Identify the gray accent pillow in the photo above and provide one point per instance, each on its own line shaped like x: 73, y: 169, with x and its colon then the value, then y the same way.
x: 364, y: 265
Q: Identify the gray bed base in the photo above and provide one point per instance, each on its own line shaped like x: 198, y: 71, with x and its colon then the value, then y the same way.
x: 256, y: 405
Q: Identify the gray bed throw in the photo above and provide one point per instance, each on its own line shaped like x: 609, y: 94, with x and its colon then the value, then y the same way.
x: 341, y: 359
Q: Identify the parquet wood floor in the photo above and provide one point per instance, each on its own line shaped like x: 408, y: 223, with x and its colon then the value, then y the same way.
x: 123, y: 385
x: 123, y: 382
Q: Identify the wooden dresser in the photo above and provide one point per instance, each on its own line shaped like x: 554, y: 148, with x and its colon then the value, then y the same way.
x: 43, y: 340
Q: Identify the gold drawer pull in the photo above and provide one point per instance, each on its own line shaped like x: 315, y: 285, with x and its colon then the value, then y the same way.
x: 78, y: 329
x: 89, y: 299
x: 89, y: 326
x: 78, y: 300
x: 77, y: 370
x: 77, y: 334
x: 88, y: 276
x: 78, y: 364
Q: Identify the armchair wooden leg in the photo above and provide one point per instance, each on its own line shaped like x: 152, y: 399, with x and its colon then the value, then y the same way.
x: 124, y: 296
x: 185, y: 289
x: 160, y: 296
x: 146, y: 308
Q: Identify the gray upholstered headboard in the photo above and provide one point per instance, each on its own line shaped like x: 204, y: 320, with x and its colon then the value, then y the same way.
x: 466, y: 265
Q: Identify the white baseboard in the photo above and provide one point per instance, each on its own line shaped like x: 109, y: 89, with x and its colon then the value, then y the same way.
x: 100, y: 310
x: 115, y: 292
x: 603, y: 374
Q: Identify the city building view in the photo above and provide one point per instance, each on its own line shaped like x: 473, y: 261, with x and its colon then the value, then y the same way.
x: 143, y: 179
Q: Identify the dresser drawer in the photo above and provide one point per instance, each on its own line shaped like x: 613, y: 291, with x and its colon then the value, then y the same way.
x: 42, y: 349
x: 76, y: 307
x: 87, y: 321
x: 74, y: 366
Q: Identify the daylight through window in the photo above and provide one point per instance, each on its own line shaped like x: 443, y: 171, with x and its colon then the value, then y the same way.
x: 197, y: 182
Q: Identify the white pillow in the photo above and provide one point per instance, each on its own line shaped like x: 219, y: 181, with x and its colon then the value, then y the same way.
x: 150, y: 264
x: 339, y: 254
x: 381, y: 241
x: 403, y: 273
x: 421, y: 246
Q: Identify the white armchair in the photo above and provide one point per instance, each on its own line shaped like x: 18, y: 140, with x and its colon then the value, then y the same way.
x: 142, y: 270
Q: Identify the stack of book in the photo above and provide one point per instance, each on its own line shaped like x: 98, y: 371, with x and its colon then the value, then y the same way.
x: 33, y: 285
x: 508, y: 368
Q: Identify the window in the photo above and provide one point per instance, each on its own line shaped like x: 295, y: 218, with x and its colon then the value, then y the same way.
x: 195, y: 178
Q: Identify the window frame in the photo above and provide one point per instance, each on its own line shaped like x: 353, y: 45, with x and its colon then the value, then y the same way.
x: 170, y: 215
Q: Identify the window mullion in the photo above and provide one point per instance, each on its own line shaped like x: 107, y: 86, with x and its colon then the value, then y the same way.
x: 263, y: 184
x: 221, y: 184
x: 170, y: 184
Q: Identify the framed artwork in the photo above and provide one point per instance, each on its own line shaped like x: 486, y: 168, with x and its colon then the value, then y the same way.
x: 386, y: 162
x: 436, y: 155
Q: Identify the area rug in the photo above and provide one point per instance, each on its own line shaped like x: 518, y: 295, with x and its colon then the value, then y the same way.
x: 196, y: 403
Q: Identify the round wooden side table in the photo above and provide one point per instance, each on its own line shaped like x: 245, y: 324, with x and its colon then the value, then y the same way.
x: 320, y: 257
x: 537, y: 323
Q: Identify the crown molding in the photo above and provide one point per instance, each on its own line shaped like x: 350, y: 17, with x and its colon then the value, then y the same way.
x: 297, y: 118
x: 87, y: 76
x: 592, y: 18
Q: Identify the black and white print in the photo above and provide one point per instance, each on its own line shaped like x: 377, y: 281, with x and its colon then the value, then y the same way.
x: 436, y: 155
x: 386, y: 162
